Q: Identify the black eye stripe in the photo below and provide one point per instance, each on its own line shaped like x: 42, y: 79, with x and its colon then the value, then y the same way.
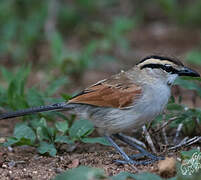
x: 166, y: 68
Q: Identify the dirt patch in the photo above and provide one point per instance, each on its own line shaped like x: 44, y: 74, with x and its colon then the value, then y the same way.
x: 25, y: 163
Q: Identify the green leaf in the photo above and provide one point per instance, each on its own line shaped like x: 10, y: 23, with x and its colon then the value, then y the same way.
x: 63, y: 139
x: 175, y: 107
x: 80, y: 129
x: 7, y: 75
x: 62, y: 126
x: 82, y: 173
x: 188, y: 154
x: 51, y: 132
x: 188, y: 83
x: 42, y: 134
x: 194, y: 57
x: 45, y: 147
x: 24, y: 131
x: 38, y: 123
x: 66, y: 96
x: 100, y: 140
x: 10, y: 141
x: 142, y: 176
x: 18, y: 142
x: 34, y: 97
x: 55, y: 85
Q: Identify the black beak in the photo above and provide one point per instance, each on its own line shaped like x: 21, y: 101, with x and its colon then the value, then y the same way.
x: 188, y: 72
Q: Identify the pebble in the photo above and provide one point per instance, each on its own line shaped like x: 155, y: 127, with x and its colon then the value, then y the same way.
x: 58, y: 170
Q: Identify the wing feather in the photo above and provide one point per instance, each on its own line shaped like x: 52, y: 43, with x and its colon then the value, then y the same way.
x: 117, y: 92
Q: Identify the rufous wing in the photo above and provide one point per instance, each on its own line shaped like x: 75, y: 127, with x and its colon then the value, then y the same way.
x: 116, y: 92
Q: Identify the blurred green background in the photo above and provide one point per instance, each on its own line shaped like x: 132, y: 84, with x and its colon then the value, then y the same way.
x: 87, y: 40
x: 74, y: 35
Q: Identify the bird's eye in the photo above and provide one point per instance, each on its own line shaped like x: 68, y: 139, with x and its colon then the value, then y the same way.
x: 168, y: 68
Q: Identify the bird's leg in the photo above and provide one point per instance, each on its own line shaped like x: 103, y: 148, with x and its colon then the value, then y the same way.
x: 127, y: 159
x: 142, y: 153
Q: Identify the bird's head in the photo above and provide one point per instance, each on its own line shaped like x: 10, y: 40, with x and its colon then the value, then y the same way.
x: 165, y: 68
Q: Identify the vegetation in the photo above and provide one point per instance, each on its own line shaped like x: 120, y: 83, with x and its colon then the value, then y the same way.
x: 64, y: 42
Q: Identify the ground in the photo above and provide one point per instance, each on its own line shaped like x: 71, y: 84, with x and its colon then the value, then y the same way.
x: 26, y: 163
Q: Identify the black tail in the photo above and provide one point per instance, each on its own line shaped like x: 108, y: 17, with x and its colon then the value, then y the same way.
x: 33, y: 110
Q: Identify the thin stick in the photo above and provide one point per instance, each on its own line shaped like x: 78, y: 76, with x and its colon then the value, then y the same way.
x: 186, y: 142
x: 164, y: 136
x: 180, y: 144
x: 179, y: 128
x: 149, y: 140
x: 165, y: 124
x: 134, y: 140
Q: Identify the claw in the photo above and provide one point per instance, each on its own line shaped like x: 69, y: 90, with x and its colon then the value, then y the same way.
x: 132, y: 162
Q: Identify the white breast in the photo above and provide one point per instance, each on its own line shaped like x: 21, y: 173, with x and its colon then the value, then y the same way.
x: 153, y: 102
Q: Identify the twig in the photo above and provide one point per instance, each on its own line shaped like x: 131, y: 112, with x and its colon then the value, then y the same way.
x: 134, y: 140
x: 164, y: 131
x: 164, y: 136
x: 149, y: 140
x: 165, y: 124
x: 180, y: 144
x: 177, y: 132
x: 186, y: 142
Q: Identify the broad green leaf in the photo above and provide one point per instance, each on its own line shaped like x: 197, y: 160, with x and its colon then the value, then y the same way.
x: 142, y: 176
x: 100, y: 140
x: 187, y: 83
x: 80, y: 129
x: 38, y: 123
x: 62, y: 126
x: 18, y: 142
x: 51, y: 132
x: 63, y: 139
x: 45, y: 147
x: 10, y: 141
x: 82, y: 173
x: 42, y: 133
x: 24, y: 131
x: 189, y: 154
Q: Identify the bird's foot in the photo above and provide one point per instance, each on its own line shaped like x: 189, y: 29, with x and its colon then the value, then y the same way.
x: 149, y: 155
x: 130, y: 161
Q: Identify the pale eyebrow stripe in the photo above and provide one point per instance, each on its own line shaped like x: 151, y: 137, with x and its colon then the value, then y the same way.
x: 156, y: 61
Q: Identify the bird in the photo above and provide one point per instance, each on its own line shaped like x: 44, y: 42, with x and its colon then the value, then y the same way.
x: 124, y: 102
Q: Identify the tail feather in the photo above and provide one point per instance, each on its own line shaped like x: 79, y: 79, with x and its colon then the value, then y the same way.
x: 33, y: 110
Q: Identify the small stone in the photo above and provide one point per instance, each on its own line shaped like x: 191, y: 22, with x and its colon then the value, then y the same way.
x: 35, y: 172
x: 74, y: 164
x: 167, y: 166
x: 11, y: 164
x: 4, y: 166
x: 2, y: 140
x: 10, y: 149
x: 58, y: 170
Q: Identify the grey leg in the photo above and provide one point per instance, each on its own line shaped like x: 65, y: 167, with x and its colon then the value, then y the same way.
x: 126, y: 160
x: 142, y: 150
